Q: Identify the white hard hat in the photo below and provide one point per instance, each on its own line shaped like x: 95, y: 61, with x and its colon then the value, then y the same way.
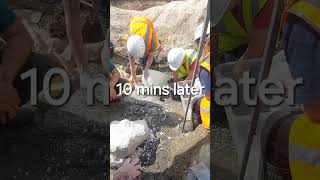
x: 136, y: 46
x: 175, y: 58
x: 219, y: 8
x: 198, y: 33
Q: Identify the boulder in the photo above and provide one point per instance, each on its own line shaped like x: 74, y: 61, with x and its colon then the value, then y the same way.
x: 125, y: 137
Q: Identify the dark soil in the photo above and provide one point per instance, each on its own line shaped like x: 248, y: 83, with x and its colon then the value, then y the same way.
x: 62, y: 149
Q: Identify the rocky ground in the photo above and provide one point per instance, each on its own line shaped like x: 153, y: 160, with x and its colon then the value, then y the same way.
x: 172, y: 32
x: 70, y: 142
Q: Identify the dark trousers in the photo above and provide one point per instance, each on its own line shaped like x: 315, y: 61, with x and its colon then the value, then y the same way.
x: 196, y: 118
x: 103, y: 13
x: 24, y: 86
x: 218, y: 114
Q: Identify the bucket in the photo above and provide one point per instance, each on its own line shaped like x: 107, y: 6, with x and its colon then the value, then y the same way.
x: 156, y: 78
x: 199, y: 172
x: 185, y: 99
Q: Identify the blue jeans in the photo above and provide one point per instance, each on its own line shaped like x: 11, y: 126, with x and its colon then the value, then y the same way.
x: 204, y: 77
x: 302, y: 49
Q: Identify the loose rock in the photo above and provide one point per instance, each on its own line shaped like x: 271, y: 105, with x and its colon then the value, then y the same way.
x: 125, y: 137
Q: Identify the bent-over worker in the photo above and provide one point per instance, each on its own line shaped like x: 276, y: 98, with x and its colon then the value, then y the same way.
x: 182, y: 63
x: 142, y: 44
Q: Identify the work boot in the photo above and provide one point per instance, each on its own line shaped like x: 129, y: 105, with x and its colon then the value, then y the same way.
x: 23, y: 118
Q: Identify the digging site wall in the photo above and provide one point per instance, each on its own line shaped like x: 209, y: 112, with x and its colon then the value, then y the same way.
x: 175, y: 23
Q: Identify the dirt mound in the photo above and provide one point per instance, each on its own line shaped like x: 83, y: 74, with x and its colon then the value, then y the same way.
x: 175, y: 23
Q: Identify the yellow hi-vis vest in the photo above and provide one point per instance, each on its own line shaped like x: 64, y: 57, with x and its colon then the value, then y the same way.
x: 144, y: 27
x: 309, y: 11
x: 205, y: 103
x: 189, y: 59
x: 304, y: 149
x: 233, y: 35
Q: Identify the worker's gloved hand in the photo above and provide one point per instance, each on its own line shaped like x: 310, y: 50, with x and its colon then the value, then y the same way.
x: 130, y: 169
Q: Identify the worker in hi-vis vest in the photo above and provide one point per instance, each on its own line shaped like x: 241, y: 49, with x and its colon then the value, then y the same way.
x: 204, y: 77
x: 182, y: 63
x: 202, y: 107
x: 242, y: 27
x: 302, y: 47
x: 142, y: 44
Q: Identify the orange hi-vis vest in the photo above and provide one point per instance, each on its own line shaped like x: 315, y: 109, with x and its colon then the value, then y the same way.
x: 144, y: 27
x: 205, y: 103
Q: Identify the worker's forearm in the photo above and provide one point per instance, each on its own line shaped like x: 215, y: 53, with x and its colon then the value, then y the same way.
x: 133, y: 68
x: 15, y: 54
x: 114, y: 78
x: 73, y: 27
x: 190, y: 75
x: 253, y: 53
x: 256, y: 44
x: 189, y: 78
x: 175, y: 76
x: 149, y: 61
